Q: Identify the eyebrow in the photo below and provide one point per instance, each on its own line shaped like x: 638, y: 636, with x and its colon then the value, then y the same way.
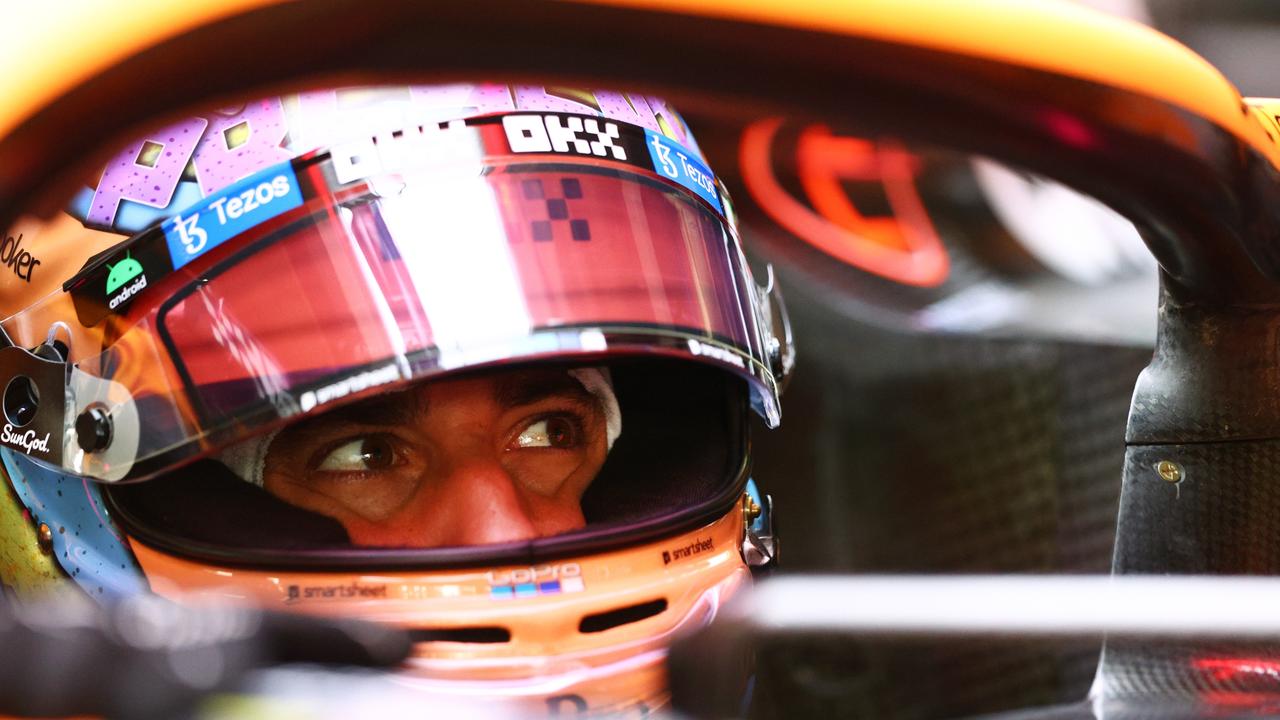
x: 528, y: 388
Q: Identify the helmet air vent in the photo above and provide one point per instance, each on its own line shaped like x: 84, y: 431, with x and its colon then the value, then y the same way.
x: 599, y: 622
x: 479, y: 635
x: 21, y: 400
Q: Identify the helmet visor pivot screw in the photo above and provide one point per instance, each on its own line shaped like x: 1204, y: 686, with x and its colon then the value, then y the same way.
x: 93, y: 429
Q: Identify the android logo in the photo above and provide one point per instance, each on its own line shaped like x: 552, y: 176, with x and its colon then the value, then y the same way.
x: 122, y: 272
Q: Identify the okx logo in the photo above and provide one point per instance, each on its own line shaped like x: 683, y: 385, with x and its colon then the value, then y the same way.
x: 16, y: 258
x: 564, y: 134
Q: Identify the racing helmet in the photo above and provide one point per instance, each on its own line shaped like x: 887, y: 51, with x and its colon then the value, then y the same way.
x: 235, y: 277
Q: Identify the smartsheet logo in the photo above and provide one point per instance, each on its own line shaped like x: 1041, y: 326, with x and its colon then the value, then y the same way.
x: 355, y: 383
x: 694, y: 548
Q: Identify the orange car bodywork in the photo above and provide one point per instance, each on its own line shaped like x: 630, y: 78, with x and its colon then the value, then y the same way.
x: 1084, y: 43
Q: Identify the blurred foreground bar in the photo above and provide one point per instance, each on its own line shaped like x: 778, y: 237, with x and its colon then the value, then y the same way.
x: 829, y: 646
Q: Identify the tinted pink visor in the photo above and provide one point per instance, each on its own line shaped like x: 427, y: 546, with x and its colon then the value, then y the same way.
x: 459, y: 271
x: 360, y: 287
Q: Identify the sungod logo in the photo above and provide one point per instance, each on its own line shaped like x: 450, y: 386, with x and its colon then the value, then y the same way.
x: 16, y: 259
x: 27, y: 440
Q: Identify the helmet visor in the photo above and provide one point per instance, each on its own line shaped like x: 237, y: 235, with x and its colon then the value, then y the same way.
x: 348, y: 287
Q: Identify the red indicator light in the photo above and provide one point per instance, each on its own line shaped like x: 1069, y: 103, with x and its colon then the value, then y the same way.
x: 903, y: 246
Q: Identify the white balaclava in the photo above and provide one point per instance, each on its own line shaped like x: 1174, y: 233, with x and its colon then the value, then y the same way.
x: 248, y: 458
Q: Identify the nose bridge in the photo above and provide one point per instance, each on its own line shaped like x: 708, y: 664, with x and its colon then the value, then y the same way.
x: 466, y: 442
x: 485, y: 501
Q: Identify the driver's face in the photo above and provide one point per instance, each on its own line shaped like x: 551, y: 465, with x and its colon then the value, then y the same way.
x: 457, y: 462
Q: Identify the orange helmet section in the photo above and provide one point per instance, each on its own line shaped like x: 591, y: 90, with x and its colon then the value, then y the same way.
x: 582, y: 632
x: 74, y: 34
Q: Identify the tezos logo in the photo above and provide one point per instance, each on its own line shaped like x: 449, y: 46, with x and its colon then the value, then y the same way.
x: 27, y: 440
x: 686, y: 169
x: 194, y: 237
x: 230, y: 208
x: 17, y: 259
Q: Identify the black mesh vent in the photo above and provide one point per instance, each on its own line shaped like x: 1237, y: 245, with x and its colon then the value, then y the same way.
x: 487, y: 634
x: 600, y: 622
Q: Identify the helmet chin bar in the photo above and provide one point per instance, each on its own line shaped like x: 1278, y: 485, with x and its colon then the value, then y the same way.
x: 60, y: 416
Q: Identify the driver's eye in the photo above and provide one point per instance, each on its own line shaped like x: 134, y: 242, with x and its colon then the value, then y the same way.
x: 364, y: 454
x: 552, y: 432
